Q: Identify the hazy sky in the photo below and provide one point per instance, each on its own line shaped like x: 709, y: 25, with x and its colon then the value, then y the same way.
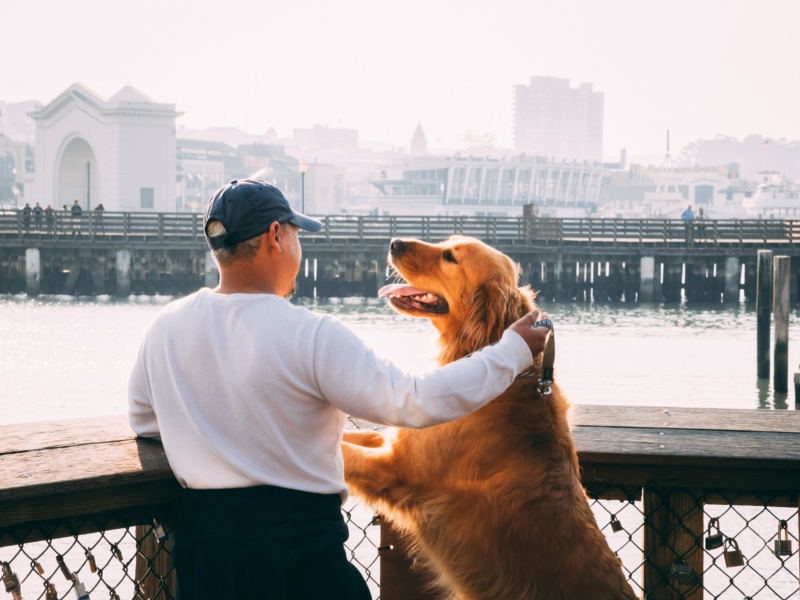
x: 697, y: 67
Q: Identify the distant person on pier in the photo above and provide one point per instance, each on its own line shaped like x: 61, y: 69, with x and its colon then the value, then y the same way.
x: 701, y: 226
x: 76, y: 211
x: 249, y: 395
x: 26, y: 217
x: 50, y: 219
x: 98, y: 215
x: 37, y: 217
x: 688, y: 217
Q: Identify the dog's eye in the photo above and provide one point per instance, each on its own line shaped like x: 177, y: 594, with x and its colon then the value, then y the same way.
x: 448, y: 256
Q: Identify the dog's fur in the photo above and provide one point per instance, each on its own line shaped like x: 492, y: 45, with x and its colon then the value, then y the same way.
x: 492, y: 502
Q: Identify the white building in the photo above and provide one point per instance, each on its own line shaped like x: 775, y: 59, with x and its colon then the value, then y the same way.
x: 120, y: 152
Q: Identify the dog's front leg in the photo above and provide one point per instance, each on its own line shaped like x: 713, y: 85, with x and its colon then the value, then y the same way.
x: 370, y: 470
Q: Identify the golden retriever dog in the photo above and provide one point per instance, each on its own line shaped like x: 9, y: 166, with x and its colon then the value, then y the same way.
x: 492, y: 502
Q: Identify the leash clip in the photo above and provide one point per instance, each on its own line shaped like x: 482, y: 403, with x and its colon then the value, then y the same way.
x: 545, y: 381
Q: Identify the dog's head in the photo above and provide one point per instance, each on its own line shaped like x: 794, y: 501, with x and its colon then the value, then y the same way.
x: 466, y: 288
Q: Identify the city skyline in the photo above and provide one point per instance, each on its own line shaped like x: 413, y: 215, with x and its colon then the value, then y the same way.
x: 381, y: 68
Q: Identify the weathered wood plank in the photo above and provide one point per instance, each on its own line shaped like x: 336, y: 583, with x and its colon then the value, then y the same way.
x: 64, y: 469
x: 691, y: 448
x: 787, y: 421
x: 23, y: 437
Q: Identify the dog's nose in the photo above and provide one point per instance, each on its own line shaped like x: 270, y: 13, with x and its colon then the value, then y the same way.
x: 397, y: 247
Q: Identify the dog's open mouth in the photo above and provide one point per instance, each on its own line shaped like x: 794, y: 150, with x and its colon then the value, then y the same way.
x: 406, y: 297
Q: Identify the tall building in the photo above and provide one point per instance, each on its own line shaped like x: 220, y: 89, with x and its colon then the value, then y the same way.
x: 552, y: 119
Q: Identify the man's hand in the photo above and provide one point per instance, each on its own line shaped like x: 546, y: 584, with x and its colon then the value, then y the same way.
x: 533, y: 331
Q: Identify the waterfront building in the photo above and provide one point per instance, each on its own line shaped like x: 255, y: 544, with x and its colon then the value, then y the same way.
x: 776, y: 197
x: 553, y: 119
x: 485, y: 186
x: 648, y: 191
x: 119, y: 152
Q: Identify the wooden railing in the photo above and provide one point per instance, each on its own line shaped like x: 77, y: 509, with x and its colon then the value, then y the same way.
x: 670, y: 469
x: 186, y: 228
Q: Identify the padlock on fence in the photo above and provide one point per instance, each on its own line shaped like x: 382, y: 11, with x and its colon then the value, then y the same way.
x: 682, y: 573
x: 92, y: 562
x: 11, y: 582
x: 116, y: 552
x: 50, y: 592
x: 733, y: 556
x: 783, y: 547
x: 158, y: 531
x: 63, y: 566
x: 80, y: 589
x: 615, y: 524
x: 714, y: 537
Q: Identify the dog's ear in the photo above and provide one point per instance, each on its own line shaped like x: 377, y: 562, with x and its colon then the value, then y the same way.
x: 493, y: 307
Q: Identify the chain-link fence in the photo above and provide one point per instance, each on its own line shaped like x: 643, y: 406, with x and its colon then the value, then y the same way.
x: 687, y: 543
x: 673, y: 543
x: 48, y: 562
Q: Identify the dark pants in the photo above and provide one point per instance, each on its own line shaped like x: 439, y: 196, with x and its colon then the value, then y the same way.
x: 263, y: 543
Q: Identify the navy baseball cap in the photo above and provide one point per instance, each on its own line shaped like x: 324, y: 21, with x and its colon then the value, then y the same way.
x: 246, y: 208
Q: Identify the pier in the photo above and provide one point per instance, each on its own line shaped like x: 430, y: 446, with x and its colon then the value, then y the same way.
x: 86, y: 497
x: 597, y: 260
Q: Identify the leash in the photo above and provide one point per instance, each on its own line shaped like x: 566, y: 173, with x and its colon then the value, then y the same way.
x: 548, y: 360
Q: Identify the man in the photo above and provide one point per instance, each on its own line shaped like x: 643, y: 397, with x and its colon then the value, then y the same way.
x: 688, y: 217
x: 249, y: 395
x: 26, y: 217
x: 76, y: 212
x: 37, y: 217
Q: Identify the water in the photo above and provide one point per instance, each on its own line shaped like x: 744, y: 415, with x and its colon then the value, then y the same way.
x: 64, y: 357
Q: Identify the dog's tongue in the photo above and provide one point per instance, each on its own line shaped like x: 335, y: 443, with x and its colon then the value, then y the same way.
x: 398, y: 289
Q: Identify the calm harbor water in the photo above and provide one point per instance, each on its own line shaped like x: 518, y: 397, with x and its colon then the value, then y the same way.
x: 64, y: 357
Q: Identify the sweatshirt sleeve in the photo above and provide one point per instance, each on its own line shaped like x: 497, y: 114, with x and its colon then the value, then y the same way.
x: 141, y: 416
x: 354, y: 379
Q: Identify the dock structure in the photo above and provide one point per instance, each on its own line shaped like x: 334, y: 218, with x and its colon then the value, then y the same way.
x: 598, y: 260
x: 88, y: 495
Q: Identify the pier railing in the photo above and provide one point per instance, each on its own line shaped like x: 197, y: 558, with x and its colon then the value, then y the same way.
x: 187, y: 228
x: 85, y: 505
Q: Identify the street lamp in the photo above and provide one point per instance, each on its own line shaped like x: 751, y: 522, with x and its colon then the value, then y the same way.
x: 303, y: 169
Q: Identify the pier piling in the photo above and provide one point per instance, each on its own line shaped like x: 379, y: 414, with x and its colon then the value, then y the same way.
x: 647, y: 274
x: 781, y: 275
x: 123, y: 266
x: 212, y: 273
x: 33, y: 271
x: 763, y: 312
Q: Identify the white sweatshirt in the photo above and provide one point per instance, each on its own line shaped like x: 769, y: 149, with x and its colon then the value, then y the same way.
x: 248, y: 389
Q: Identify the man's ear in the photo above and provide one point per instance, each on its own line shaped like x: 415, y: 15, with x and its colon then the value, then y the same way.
x: 275, y: 235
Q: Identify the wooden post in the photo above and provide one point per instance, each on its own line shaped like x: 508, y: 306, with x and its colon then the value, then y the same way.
x: 155, y: 575
x: 673, y: 524
x: 763, y: 311
x: 123, y: 268
x: 781, y: 276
